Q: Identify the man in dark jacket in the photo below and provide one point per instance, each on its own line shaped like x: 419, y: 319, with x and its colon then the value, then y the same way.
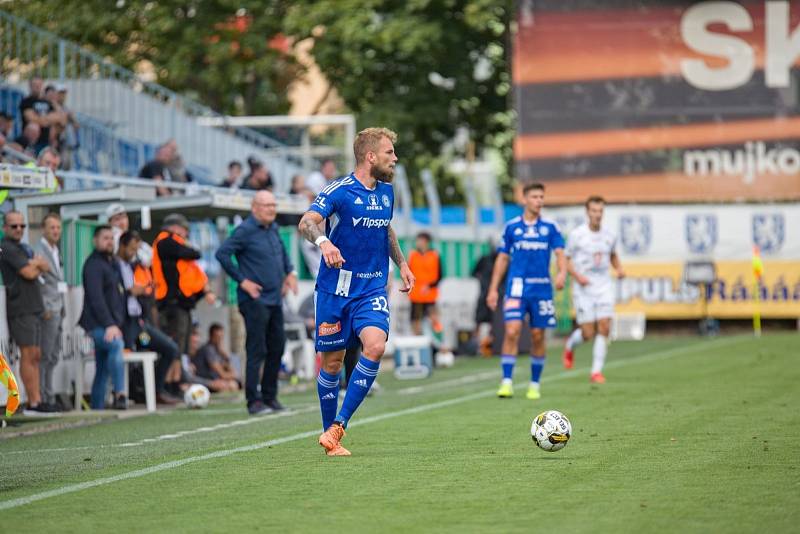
x: 264, y: 273
x: 103, y: 316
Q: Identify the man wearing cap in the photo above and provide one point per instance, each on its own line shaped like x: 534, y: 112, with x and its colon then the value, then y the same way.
x: 118, y: 219
x: 264, y: 273
x: 179, y: 280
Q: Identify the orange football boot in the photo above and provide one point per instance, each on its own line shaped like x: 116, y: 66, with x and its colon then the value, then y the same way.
x: 330, y: 438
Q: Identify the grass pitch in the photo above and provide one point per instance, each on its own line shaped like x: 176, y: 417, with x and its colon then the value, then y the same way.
x: 687, y: 435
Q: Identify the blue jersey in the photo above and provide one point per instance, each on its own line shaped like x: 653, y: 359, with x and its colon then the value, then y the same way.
x: 358, y: 224
x: 530, y: 247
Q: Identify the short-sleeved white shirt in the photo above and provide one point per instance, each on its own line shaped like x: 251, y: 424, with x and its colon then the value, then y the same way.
x: 590, y: 253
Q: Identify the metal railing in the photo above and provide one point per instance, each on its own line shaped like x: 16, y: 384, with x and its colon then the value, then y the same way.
x: 27, y: 50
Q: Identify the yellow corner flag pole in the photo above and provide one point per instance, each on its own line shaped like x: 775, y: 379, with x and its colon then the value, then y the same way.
x: 758, y: 271
x: 8, y: 380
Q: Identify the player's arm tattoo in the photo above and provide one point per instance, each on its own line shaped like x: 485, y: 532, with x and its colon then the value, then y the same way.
x: 309, y: 226
x: 395, y: 252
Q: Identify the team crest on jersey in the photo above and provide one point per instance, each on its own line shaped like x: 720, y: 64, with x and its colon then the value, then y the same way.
x: 544, y: 230
x: 385, y: 200
x: 373, y: 203
x: 328, y: 329
x: 634, y: 231
x: 358, y: 201
x: 701, y: 233
x: 518, y: 231
x: 768, y: 232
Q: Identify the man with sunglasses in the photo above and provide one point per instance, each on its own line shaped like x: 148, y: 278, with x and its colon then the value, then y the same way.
x: 22, y: 277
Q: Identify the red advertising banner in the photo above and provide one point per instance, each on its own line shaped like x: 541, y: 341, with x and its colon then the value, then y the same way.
x: 659, y: 101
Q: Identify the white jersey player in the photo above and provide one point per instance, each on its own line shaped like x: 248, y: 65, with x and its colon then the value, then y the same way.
x: 591, y: 253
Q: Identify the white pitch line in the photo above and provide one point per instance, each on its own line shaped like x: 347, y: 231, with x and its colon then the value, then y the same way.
x: 180, y: 434
x: 468, y: 379
x: 72, y: 488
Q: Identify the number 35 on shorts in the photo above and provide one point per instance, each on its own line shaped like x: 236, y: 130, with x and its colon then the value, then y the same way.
x: 546, y: 308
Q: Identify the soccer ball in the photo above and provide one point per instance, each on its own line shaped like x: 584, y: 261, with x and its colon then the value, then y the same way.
x: 197, y: 396
x: 551, y: 430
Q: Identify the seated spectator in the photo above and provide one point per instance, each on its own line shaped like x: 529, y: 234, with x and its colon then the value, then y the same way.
x: 259, y: 177
x: 6, y: 124
x: 28, y: 141
x: 183, y: 372
x: 58, y: 117
x: 35, y: 108
x: 158, y: 168
x: 234, y: 174
x: 317, y: 180
x: 213, y: 362
x: 176, y: 165
x: 48, y: 157
x: 139, y: 332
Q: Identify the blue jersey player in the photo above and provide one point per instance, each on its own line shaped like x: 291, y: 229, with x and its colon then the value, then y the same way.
x: 524, y: 252
x: 351, y: 300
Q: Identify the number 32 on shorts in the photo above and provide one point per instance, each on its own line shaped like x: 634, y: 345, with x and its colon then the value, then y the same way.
x: 546, y: 308
x: 380, y: 304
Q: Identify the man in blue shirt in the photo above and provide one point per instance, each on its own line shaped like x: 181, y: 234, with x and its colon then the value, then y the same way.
x: 264, y: 273
x: 351, y: 300
x: 524, y: 252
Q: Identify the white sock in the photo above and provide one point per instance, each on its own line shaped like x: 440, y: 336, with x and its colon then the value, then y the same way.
x: 575, y: 339
x: 599, y: 353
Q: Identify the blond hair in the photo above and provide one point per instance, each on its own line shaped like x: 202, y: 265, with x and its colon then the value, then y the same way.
x: 368, y: 139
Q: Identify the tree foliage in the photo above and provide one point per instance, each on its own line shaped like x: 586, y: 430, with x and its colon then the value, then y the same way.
x: 223, y: 52
x: 421, y: 67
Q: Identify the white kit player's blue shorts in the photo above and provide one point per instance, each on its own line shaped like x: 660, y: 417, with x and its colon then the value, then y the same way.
x: 340, y: 320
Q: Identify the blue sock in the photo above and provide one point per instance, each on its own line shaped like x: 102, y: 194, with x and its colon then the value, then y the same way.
x: 508, y: 361
x: 328, y: 391
x: 360, y: 381
x: 537, y: 365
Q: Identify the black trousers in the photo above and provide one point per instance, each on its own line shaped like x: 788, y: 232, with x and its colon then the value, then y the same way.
x: 264, y: 344
x: 154, y: 340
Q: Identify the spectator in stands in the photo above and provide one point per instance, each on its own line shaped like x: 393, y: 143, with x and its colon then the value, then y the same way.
x: 6, y: 124
x: 68, y: 142
x: 2, y: 146
x: 259, y: 177
x: 48, y: 157
x: 103, y: 317
x: 35, y: 108
x: 424, y: 262
x: 179, y: 280
x: 264, y: 273
x: 214, y: 363
x: 28, y: 141
x: 234, y: 174
x: 58, y: 118
x: 139, y: 332
x: 158, y: 168
x: 54, y: 290
x: 22, y: 274
x: 317, y: 180
x: 117, y: 217
x: 176, y: 165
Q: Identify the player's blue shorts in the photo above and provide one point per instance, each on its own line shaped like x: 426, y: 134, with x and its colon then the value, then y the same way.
x: 340, y: 320
x: 541, y: 311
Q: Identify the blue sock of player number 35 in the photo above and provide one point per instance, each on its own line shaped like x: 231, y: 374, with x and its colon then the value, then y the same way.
x: 328, y: 391
x: 537, y: 365
x: 360, y: 381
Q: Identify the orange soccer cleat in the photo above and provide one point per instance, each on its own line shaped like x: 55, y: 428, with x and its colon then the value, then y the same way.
x: 330, y: 438
x: 597, y: 378
x: 569, y: 358
x: 338, y: 451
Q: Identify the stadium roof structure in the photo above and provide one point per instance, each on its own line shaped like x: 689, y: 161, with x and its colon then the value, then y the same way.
x: 87, y: 195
